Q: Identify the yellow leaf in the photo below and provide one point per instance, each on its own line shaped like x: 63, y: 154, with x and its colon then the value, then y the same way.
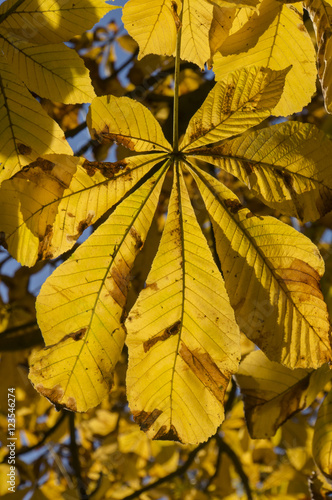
x: 183, y: 341
x: 127, y: 43
x: 284, y: 42
x: 320, y: 12
x: 272, y: 393
x: 46, y: 208
x: 322, y: 439
x: 288, y: 166
x: 152, y: 26
x: 26, y: 130
x: 52, y: 71
x: 127, y: 122
x: 46, y: 21
x: 244, y: 99
x: 155, y: 27
x: 235, y: 3
x: 196, y: 22
x: 221, y: 25
x: 272, y: 275
x: 80, y: 306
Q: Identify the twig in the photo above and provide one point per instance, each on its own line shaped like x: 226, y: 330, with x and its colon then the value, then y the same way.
x: 73, y: 131
x: 237, y: 464
x: 40, y: 443
x: 178, y: 472
x: 75, y: 458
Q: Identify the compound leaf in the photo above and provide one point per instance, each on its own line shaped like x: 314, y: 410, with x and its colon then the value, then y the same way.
x: 80, y: 306
x: 182, y: 336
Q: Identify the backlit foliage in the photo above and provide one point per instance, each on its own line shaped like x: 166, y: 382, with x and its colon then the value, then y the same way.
x: 200, y: 279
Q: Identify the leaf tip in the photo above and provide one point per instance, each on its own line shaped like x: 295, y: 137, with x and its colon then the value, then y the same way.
x: 167, y: 435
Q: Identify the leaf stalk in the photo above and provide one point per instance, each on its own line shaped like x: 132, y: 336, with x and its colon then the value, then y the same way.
x: 176, y: 89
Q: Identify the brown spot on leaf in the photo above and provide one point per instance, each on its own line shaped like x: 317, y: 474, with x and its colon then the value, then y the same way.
x: 78, y: 335
x: 199, y: 132
x: 167, y: 435
x: 122, y: 140
x: 105, y: 137
x: 176, y: 15
x: 284, y: 407
x: 69, y: 214
x: 23, y: 149
x: 206, y: 370
x: 303, y: 279
x: 226, y: 106
x: 90, y: 167
x: 108, y: 169
x: 138, y: 240
x: 169, y: 332
x: 119, y: 280
x: 55, y: 395
x: 248, y: 167
x: 233, y: 205
x: 82, y: 225
x: 286, y: 177
x: 45, y: 244
x: 145, y: 419
x: 45, y: 165
x: 153, y: 286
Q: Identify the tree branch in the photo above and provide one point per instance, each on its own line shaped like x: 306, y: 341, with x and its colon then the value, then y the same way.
x: 224, y: 447
x: 75, y: 458
x: 178, y: 472
x: 40, y: 443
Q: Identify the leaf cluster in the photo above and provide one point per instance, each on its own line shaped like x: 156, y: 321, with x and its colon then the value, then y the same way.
x: 227, y: 271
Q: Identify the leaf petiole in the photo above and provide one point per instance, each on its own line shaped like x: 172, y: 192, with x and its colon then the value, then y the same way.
x: 176, y: 88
